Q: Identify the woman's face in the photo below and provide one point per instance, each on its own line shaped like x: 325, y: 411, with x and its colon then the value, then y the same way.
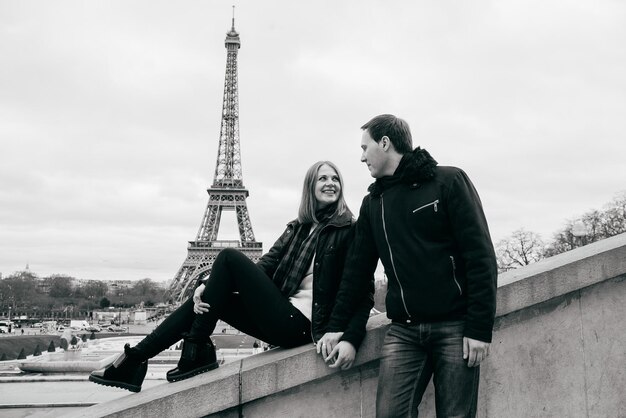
x: 327, y: 186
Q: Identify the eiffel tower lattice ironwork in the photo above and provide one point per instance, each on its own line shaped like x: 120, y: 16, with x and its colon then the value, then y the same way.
x: 226, y: 193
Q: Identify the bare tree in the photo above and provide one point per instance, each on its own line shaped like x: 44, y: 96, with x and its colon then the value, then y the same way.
x: 61, y: 285
x: 520, y: 249
x: 596, y: 224
x: 562, y: 241
x: 95, y: 289
x: 614, y: 221
x: 17, y: 288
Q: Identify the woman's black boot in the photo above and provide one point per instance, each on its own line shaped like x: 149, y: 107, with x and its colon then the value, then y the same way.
x: 196, y: 357
x: 126, y: 372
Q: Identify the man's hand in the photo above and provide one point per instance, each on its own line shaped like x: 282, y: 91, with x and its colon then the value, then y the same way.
x: 342, y: 356
x: 327, y: 343
x: 474, y: 351
x: 338, y: 353
x: 199, y: 307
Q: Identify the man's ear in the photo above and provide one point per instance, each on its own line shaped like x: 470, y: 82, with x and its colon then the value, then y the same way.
x: 385, y: 143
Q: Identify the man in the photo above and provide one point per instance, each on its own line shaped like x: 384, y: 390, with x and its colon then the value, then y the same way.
x: 426, y: 224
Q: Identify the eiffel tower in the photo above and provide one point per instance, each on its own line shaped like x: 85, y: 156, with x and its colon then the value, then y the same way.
x: 226, y: 193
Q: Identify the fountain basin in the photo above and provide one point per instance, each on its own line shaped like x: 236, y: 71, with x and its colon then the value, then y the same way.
x: 67, y: 362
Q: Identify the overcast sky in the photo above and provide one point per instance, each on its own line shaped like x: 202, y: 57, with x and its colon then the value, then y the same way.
x: 110, y: 115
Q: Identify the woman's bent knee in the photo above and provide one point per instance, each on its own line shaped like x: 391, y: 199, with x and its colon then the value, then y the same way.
x: 227, y: 254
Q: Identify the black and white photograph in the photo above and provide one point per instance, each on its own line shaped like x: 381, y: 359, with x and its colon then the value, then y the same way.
x: 293, y: 209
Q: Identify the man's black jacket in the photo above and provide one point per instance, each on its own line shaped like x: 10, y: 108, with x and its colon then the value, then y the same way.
x: 427, y: 226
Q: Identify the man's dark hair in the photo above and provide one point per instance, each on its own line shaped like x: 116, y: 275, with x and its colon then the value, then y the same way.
x: 396, y: 129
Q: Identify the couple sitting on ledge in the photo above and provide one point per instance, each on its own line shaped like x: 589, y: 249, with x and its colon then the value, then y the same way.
x: 285, y: 299
x: 423, y: 221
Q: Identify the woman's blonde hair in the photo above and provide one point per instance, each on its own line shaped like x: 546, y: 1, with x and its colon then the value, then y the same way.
x: 308, y: 203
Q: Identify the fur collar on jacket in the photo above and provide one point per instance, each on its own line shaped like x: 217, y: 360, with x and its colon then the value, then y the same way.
x: 346, y: 218
x: 416, y: 166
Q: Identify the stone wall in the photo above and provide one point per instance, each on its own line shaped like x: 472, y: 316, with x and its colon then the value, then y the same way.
x: 558, y: 351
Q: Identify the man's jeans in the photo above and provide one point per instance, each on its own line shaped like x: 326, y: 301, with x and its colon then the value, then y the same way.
x: 411, y: 355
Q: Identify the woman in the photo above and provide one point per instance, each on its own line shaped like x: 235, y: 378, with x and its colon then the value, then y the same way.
x: 286, y: 299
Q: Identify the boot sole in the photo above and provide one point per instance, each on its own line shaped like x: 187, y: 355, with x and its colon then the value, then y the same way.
x: 193, y: 372
x: 115, y: 384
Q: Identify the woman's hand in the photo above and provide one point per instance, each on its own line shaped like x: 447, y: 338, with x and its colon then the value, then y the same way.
x: 199, y: 307
x: 338, y: 353
x: 327, y: 343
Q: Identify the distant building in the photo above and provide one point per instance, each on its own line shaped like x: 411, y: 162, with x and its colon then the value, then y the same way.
x: 164, y: 284
x: 43, y: 286
x: 119, y: 286
x: 138, y: 317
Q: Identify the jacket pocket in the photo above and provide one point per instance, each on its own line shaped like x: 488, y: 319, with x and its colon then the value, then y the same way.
x: 432, y: 204
x: 454, y: 275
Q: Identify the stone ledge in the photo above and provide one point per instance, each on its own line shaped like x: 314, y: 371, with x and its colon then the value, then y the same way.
x: 561, y: 274
x: 201, y: 395
x: 268, y: 374
x: 261, y: 375
x: 272, y: 372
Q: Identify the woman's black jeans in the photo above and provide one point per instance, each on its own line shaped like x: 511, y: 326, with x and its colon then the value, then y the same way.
x: 240, y: 294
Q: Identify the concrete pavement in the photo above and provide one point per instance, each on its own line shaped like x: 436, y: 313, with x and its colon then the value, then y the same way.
x: 54, y: 398
x: 58, y: 394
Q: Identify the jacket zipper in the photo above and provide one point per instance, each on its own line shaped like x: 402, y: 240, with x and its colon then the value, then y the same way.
x: 393, y: 265
x: 433, y: 204
x: 454, y: 275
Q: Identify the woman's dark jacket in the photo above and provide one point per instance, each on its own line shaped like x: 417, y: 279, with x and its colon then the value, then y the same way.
x: 427, y: 226
x: 330, y: 254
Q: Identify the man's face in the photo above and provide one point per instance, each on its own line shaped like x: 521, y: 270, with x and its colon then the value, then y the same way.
x: 373, y: 155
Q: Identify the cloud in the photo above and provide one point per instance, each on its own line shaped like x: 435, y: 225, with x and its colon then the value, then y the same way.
x: 111, y: 115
